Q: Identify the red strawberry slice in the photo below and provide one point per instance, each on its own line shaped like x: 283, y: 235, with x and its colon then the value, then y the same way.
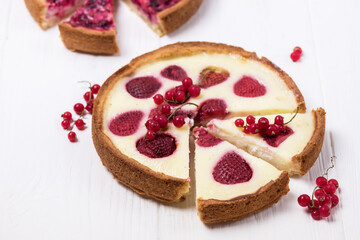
x: 249, y: 87
x: 211, y: 76
x: 143, y: 87
x: 162, y: 145
x: 174, y: 72
x: 126, y: 124
x: 232, y: 169
x: 212, y: 108
x: 278, y: 139
x: 205, y: 139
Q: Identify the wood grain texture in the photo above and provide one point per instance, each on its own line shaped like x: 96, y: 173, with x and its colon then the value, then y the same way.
x: 51, y: 189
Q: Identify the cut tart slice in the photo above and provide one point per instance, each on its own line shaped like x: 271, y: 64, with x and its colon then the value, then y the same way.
x: 230, y: 183
x: 164, y: 16
x: 294, y: 150
x: 48, y: 13
x: 91, y: 28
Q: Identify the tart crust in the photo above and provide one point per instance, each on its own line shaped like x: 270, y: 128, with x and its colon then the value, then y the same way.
x: 215, y: 211
x: 171, y: 18
x: 37, y: 11
x: 127, y: 170
x: 87, y: 40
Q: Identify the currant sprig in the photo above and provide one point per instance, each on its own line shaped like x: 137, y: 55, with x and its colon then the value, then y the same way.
x: 323, y: 198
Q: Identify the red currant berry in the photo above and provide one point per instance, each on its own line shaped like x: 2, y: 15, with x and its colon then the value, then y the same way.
x: 321, y: 181
x: 187, y: 82
x: 254, y: 128
x: 247, y: 130
x: 295, y: 56
x: 95, y: 88
x: 263, y: 123
x: 67, y: 116
x: 250, y: 119
x: 152, y: 125
x: 315, y: 214
x: 150, y: 135
x: 78, y: 108
x: 179, y: 121
x: 324, y: 199
x: 279, y: 120
x: 335, y: 182
x: 89, y: 106
x: 80, y: 124
x: 180, y: 88
x: 88, y: 97
x: 334, y: 200
x: 272, y: 130
x: 162, y: 120
x: 194, y: 90
x: 65, y: 124
x: 316, y: 205
x: 297, y: 49
x: 239, y: 122
x: 319, y: 192
x: 304, y: 200
x: 180, y: 96
x: 165, y: 109
x: 72, y: 136
x: 282, y: 128
x: 169, y: 95
x: 330, y: 188
x: 324, y: 211
x: 158, y: 99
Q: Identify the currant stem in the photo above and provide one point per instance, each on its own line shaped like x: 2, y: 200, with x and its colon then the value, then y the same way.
x: 173, y: 113
x: 204, y: 75
x: 297, y: 111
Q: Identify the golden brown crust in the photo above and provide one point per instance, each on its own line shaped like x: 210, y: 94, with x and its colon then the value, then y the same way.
x: 37, y: 11
x: 87, y: 40
x: 216, y: 211
x: 127, y: 170
x: 308, y: 156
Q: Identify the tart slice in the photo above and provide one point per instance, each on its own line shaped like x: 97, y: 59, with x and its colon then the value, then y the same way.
x: 230, y: 183
x: 48, y: 13
x: 294, y: 150
x: 164, y: 16
x: 91, y: 28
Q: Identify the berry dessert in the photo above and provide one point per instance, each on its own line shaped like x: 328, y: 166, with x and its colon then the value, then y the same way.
x: 48, y: 13
x: 144, y: 112
x: 230, y: 183
x: 91, y: 28
x: 288, y: 142
x: 164, y: 16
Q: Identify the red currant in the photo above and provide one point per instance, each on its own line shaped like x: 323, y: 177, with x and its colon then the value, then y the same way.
x: 254, y: 128
x: 65, y: 124
x: 330, y: 188
x: 297, y: 49
x: 315, y: 214
x: 152, y: 125
x: 239, y: 122
x: 304, y: 200
x: 89, y: 106
x: 321, y: 181
x: 282, y: 128
x: 194, y: 90
x: 88, y: 96
x: 180, y: 96
x: 187, y: 82
x: 80, y: 124
x: 180, y: 88
x: 295, y: 56
x: 78, y: 108
x: 179, y: 121
x: 67, y: 116
x: 324, y: 211
x: 324, y: 199
x: 279, y: 120
x: 165, y: 109
x: 247, y: 130
x: 169, y: 95
x: 158, y: 99
x: 263, y: 123
x: 335, y: 182
x: 334, y: 200
x: 316, y: 205
x: 150, y: 135
x: 250, y: 119
x: 95, y: 88
x: 319, y: 192
x: 272, y: 130
x: 162, y: 120
x: 72, y: 136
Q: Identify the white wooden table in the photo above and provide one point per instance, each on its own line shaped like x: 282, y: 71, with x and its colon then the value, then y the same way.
x: 52, y: 189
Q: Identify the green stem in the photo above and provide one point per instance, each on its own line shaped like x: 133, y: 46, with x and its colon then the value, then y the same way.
x: 173, y: 113
x: 204, y: 75
x: 297, y: 111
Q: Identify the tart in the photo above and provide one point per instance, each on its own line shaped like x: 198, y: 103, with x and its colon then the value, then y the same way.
x: 294, y: 150
x: 91, y: 28
x: 230, y: 183
x: 48, y: 13
x: 164, y: 16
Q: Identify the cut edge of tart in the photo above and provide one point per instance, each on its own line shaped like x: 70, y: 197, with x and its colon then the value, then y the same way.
x: 169, y: 19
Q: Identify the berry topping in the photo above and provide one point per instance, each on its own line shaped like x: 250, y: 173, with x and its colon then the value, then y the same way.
x: 72, y: 136
x: 250, y: 119
x: 80, y: 124
x: 212, y: 108
x: 254, y: 128
x: 88, y: 96
x: 143, y: 87
x: 126, y: 124
x: 95, y: 88
x: 194, y: 91
x: 89, y: 107
x: 158, y: 99
x: 170, y: 95
x: 187, y: 82
x: 162, y: 145
x: 150, y: 135
x: 174, y: 72
x: 165, y: 109
x: 150, y: 8
x: 152, y: 125
x: 180, y: 96
x: 205, y: 139
x: 162, y: 120
x: 79, y: 108
x: 67, y: 116
x: 272, y: 130
x: 279, y: 120
x: 263, y: 123
x: 179, y: 121
x: 276, y: 140
x: 249, y: 87
x: 211, y: 76
x: 232, y: 169
x: 239, y: 122
x: 247, y: 130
